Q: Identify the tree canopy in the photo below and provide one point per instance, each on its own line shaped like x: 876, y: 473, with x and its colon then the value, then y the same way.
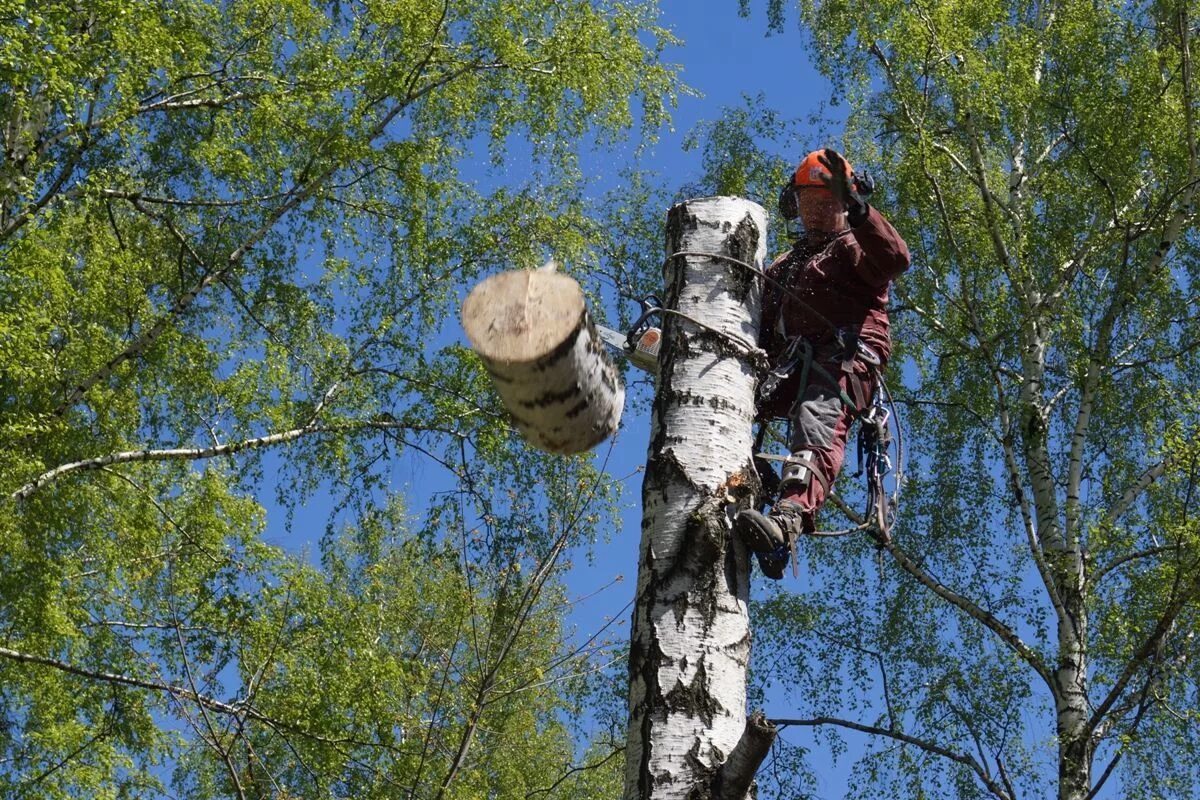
x: 1034, y: 623
x: 231, y: 236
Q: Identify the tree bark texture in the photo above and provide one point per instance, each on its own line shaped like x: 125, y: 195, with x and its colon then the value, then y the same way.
x: 691, y: 633
x: 533, y: 332
x: 1073, y: 711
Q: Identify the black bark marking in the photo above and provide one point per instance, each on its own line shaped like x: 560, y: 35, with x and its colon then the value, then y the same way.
x: 688, y: 398
x: 743, y: 245
x: 645, y: 659
x: 702, y: 546
x: 694, y: 699
x: 550, y: 398
x: 706, y: 341
x: 608, y: 373
x: 731, y: 568
x: 577, y: 409
x: 496, y: 376
x: 663, y: 469
x: 561, y: 350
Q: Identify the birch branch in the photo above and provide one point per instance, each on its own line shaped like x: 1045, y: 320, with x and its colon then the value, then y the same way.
x: 1028, y: 509
x: 1119, y: 366
x: 52, y: 194
x: 180, y: 101
x: 735, y: 777
x: 990, y: 201
x: 924, y: 744
x: 1079, y: 434
x: 208, y: 724
x: 1006, y: 634
x: 1099, y: 574
x: 1131, y: 495
x: 128, y: 680
x: 912, y: 120
x: 146, y: 339
x: 239, y: 710
x: 1151, y: 645
x: 1069, y: 268
x: 199, y: 453
x: 171, y: 104
x: 103, y: 732
x: 118, y: 194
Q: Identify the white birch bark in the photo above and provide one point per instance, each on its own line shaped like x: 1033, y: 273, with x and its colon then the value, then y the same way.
x: 532, y: 330
x: 691, y: 634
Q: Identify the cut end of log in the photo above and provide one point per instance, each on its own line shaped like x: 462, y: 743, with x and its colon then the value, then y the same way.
x: 522, y: 315
x: 532, y: 331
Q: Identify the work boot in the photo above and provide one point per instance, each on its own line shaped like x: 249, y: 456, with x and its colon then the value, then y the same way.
x: 769, y: 536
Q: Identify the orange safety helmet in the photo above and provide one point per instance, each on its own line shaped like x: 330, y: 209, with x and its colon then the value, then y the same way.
x: 811, y: 171
x: 810, y: 174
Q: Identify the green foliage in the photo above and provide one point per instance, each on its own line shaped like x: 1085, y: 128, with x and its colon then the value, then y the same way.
x: 747, y: 152
x: 234, y: 237
x: 1041, y: 161
x: 739, y: 153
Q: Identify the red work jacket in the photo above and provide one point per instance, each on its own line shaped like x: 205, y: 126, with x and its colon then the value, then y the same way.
x: 841, y: 283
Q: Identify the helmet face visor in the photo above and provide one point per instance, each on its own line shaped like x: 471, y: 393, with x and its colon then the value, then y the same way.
x: 789, y: 203
x: 795, y: 201
x: 814, y: 202
x: 810, y: 210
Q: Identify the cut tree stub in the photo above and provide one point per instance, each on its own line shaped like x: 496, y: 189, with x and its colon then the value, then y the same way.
x: 690, y: 641
x: 532, y: 330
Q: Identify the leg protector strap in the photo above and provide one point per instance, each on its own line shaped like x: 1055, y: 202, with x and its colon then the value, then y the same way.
x: 800, y: 468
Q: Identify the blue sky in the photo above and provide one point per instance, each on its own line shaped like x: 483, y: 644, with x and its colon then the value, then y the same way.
x: 724, y: 58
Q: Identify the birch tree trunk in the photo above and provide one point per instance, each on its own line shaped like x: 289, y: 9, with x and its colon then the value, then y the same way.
x: 533, y: 332
x: 691, y: 633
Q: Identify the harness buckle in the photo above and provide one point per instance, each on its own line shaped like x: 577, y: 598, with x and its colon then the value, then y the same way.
x: 797, y: 351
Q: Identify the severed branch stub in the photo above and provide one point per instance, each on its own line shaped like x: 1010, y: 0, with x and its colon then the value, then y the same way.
x: 736, y: 775
x: 532, y: 330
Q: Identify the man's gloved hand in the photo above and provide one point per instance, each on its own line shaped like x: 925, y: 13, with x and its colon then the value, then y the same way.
x: 843, y: 191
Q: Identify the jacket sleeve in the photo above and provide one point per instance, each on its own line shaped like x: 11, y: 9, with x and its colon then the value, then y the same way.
x: 885, y: 254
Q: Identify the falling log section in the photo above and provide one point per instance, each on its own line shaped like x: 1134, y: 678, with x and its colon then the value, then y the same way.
x: 689, y: 736
x: 532, y: 330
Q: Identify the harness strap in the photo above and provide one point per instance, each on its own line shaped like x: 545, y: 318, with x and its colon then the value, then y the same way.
x: 835, y: 384
x: 801, y: 353
x: 818, y: 477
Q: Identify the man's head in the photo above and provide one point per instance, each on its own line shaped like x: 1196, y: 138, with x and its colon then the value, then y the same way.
x: 807, y: 195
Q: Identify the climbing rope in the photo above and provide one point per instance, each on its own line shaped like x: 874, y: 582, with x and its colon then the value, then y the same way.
x: 837, y: 332
x: 746, y: 347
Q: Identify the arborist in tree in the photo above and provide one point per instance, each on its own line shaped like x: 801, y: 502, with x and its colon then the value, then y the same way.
x: 825, y: 328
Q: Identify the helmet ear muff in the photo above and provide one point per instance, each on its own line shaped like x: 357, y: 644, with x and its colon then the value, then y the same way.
x: 863, y: 183
x: 789, y: 202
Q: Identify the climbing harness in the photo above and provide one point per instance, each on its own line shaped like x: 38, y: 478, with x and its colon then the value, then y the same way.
x: 875, y: 422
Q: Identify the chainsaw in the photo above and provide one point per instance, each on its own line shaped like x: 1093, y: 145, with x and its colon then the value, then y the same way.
x: 639, y: 346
